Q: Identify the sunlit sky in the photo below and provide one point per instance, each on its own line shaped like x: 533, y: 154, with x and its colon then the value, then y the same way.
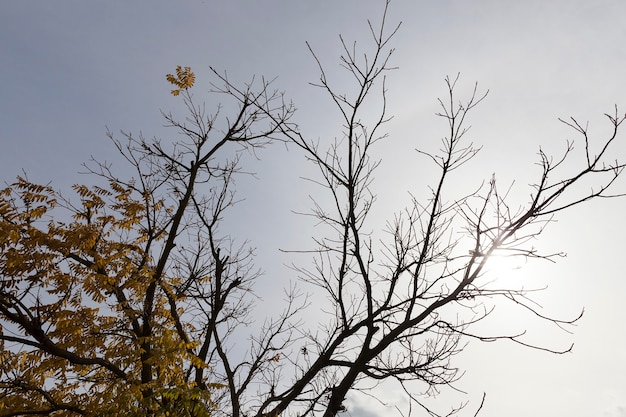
x: 69, y: 70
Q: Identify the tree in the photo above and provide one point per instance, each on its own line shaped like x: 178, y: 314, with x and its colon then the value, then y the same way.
x: 97, y: 310
x: 133, y: 304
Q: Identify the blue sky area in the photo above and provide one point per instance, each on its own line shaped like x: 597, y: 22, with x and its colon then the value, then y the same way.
x: 69, y: 70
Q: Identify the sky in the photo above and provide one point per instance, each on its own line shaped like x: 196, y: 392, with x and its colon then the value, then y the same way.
x: 71, y: 70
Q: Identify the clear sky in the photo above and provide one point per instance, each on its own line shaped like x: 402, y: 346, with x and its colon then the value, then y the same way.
x: 70, y: 69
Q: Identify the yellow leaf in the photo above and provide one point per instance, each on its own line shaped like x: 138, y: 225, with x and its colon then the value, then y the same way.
x: 14, y: 236
x: 183, y: 79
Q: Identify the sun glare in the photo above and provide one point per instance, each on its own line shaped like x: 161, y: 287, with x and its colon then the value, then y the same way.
x: 505, y: 270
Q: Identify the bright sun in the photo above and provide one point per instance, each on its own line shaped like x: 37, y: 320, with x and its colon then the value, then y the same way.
x: 505, y: 270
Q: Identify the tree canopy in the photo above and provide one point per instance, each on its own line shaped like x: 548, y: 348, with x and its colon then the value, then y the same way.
x: 129, y: 297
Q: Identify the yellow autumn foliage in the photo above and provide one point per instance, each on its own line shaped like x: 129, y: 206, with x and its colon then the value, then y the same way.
x: 73, y: 299
x: 183, y: 79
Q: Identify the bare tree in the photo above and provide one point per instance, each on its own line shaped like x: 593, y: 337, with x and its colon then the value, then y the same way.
x: 175, y: 292
x: 401, y: 307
